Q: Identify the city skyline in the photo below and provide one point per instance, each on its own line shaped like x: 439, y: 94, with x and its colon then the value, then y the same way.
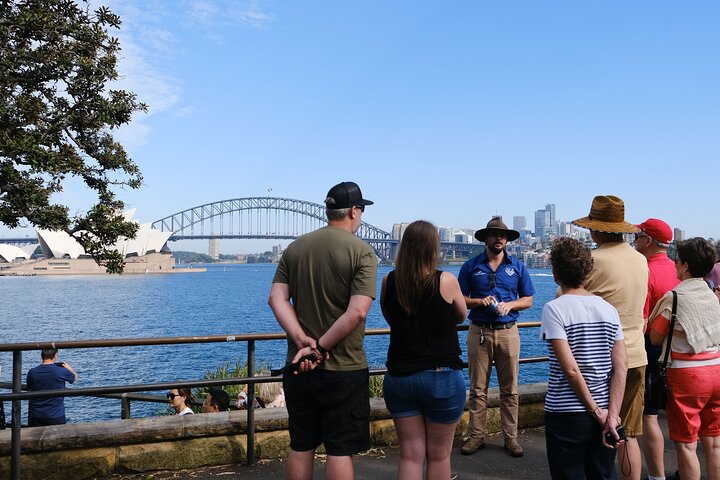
x: 446, y: 113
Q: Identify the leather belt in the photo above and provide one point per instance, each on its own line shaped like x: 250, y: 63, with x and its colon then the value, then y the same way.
x: 500, y: 325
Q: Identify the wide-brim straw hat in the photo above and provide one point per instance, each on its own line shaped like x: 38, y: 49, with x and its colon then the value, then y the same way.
x: 607, y: 214
x: 496, y: 223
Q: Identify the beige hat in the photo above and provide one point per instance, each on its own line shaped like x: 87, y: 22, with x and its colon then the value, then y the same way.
x: 607, y: 214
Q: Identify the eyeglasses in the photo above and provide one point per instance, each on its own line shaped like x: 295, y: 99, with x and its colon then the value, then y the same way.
x: 491, y: 279
x: 171, y: 396
x: 360, y: 207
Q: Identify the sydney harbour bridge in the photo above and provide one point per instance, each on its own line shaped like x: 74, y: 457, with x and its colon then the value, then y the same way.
x: 270, y: 218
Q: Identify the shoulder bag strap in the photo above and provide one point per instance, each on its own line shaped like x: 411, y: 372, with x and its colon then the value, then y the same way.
x: 673, y: 316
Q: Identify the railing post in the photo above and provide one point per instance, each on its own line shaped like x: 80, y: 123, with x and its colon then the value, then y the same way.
x: 16, y: 416
x: 124, y: 406
x: 251, y: 405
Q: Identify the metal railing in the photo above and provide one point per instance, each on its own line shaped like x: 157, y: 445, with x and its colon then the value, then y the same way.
x: 18, y: 395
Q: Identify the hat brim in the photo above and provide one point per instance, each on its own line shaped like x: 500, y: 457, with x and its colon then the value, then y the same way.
x: 512, y: 235
x: 606, y: 227
x: 362, y: 202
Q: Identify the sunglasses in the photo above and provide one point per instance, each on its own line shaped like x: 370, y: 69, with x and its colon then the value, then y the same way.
x: 360, y: 207
x: 491, y: 279
x: 171, y: 396
x: 641, y: 235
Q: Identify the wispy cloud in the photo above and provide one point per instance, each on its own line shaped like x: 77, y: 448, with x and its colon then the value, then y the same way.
x: 150, y: 48
x: 251, y: 16
x: 216, y: 16
x: 145, y: 47
x: 204, y: 13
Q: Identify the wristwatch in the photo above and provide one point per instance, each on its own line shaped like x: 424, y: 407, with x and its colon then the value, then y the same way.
x: 320, y: 349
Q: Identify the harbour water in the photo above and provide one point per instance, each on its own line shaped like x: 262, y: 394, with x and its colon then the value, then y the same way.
x: 227, y: 299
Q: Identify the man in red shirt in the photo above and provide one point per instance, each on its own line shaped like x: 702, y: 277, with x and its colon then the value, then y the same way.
x: 653, y: 241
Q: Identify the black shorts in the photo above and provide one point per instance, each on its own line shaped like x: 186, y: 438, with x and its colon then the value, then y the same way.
x: 332, y: 408
x: 653, y: 355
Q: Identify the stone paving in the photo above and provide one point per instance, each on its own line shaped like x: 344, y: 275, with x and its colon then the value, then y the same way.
x: 490, y: 463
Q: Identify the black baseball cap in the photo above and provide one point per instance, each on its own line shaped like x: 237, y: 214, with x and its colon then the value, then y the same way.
x: 345, y: 195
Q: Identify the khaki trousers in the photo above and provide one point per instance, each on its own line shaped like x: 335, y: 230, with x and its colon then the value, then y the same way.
x: 502, y: 347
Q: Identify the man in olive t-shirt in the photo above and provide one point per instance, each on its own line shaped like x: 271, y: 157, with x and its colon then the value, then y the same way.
x: 321, y: 294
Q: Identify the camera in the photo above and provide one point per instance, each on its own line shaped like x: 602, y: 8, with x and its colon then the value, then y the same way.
x: 293, y: 367
x: 610, y: 438
x: 60, y: 364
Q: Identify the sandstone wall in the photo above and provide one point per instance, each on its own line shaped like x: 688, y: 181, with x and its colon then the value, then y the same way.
x: 90, y: 450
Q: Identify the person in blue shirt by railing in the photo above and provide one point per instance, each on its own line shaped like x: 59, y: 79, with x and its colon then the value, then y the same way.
x: 49, y: 375
x: 496, y: 286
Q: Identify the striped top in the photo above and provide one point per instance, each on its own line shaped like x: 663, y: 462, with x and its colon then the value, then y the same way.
x: 591, y: 326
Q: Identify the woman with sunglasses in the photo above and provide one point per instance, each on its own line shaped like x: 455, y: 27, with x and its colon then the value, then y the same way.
x: 424, y: 387
x: 693, y: 370
x: 181, y: 400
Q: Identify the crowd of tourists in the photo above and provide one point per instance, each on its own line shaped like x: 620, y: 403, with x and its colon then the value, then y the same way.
x: 613, y: 308
x: 631, y: 332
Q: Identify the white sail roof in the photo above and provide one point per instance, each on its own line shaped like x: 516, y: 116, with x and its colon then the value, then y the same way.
x: 8, y: 253
x: 58, y: 244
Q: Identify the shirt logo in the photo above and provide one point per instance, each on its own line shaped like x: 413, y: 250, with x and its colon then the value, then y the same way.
x: 510, y: 271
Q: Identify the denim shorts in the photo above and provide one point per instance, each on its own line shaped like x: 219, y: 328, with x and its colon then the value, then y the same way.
x: 438, y: 395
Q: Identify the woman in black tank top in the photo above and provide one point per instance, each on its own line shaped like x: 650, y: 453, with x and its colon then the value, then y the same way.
x: 424, y: 388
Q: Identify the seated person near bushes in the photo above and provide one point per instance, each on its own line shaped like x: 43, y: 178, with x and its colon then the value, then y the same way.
x: 217, y: 400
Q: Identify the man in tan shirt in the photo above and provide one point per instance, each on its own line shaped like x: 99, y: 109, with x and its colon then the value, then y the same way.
x: 620, y: 277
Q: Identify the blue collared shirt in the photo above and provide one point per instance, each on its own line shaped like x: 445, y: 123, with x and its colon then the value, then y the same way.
x: 512, y: 281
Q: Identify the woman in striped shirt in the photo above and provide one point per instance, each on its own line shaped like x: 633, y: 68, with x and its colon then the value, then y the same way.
x: 588, y: 366
x: 693, y: 375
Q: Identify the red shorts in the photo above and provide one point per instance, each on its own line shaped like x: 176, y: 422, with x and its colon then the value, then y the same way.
x: 694, y: 404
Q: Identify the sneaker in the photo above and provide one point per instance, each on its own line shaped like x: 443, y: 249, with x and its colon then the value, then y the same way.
x: 674, y: 476
x: 513, y: 447
x: 472, y: 445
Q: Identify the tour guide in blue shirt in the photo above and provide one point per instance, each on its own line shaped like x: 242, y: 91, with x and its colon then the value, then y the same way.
x: 496, y: 287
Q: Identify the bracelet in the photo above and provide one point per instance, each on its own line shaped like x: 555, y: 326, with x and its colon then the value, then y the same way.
x: 320, y: 349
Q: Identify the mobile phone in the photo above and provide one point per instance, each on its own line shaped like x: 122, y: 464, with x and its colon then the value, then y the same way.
x: 610, y: 438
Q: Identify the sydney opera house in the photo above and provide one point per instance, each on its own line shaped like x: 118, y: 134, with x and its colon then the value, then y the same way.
x: 63, y: 255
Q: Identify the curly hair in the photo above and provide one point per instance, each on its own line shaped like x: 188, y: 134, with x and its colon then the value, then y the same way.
x: 571, y: 261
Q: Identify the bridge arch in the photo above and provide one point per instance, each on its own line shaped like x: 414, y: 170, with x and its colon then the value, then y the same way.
x: 260, y: 217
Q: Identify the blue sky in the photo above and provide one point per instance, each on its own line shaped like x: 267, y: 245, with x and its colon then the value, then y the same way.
x: 447, y: 111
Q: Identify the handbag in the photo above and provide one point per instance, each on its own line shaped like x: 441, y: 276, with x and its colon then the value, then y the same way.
x: 656, y: 392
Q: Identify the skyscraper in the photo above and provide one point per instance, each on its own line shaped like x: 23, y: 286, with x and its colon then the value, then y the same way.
x: 550, y: 208
x: 678, y: 234
x: 398, y: 230
x: 542, y: 223
x: 446, y: 234
x: 519, y: 223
